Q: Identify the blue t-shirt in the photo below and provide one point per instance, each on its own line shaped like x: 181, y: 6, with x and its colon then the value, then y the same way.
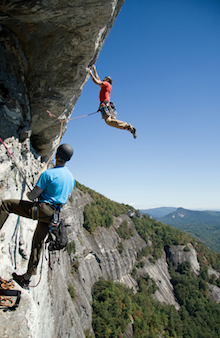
x: 57, y: 183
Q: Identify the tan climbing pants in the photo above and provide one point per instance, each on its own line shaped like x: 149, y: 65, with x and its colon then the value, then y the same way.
x: 113, y: 122
x: 44, y: 216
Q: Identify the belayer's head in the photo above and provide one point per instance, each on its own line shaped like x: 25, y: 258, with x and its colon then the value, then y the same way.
x: 64, y: 153
x: 109, y: 79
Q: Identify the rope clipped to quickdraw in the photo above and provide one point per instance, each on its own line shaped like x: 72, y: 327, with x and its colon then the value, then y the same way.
x: 7, y: 294
x: 12, y: 156
x: 61, y: 128
x: 67, y: 120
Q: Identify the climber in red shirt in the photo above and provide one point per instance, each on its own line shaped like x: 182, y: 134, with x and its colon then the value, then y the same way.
x: 106, y: 107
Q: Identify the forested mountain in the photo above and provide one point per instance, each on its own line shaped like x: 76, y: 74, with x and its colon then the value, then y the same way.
x: 158, y: 212
x: 115, y: 306
x: 204, y: 225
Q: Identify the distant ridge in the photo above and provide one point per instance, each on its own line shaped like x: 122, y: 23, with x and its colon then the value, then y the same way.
x: 204, y: 225
x: 158, y: 212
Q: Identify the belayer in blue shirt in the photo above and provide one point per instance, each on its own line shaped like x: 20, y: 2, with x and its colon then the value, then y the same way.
x: 52, y: 191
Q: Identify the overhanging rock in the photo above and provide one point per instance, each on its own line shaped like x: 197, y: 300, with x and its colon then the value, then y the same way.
x: 45, y: 47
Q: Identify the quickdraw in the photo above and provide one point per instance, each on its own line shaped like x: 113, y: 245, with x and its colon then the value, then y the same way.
x: 7, y: 294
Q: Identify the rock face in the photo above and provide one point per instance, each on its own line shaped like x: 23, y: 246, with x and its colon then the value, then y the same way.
x: 214, y: 293
x: 158, y: 271
x: 45, y: 47
x: 182, y: 253
x: 47, y: 310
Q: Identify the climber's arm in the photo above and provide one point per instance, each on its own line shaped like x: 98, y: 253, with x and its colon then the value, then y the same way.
x: 32, y: 195
x: 95, y: 72
x: 95, y: 77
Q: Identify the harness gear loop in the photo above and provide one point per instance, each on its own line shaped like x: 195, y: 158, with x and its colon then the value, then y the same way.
x: 108, y: 108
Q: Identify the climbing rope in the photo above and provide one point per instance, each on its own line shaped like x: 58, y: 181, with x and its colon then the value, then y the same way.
x: 67, y: 120
x: 5, y: 300
x: 61, y: 128
x: 41, y: 268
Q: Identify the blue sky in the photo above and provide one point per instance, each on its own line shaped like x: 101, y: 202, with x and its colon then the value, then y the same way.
x: 164, y: 58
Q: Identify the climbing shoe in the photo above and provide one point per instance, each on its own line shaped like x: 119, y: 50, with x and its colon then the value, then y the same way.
x: 133, y: 131
x: 24, y: 283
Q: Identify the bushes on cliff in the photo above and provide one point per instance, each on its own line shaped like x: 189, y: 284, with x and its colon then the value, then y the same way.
x: 159, y: 234
x: 96, y: 215
x: 113, y: 305
x: 124, y: 231
x: 111, y: 308
x: 199, y: 314
x: 101, y: 210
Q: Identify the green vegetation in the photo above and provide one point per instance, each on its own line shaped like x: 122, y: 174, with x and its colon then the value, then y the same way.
x: 75, y: 266
x: 203, y: 225
x: 198, y: 317
x: 159, y: 234
x: 124, y: 231
x: 71, y: 247
x: 71, y: 291
x: 120, y: 247
x: 111, y: 308
x: 71, y: 199
x: 140, y: 264
x: 101, y: 210
x: 88, y: 334
x: 114, y: 304
x: 208, y: 257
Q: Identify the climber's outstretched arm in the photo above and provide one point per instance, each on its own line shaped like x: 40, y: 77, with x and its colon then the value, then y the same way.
x: 95, y: 77
x: 95, y: 72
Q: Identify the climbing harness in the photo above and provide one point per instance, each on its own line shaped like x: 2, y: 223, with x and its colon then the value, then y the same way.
x: 14, y: 160
x: 108, y: 108
x: 7, y: 295
x: 57, y: 240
